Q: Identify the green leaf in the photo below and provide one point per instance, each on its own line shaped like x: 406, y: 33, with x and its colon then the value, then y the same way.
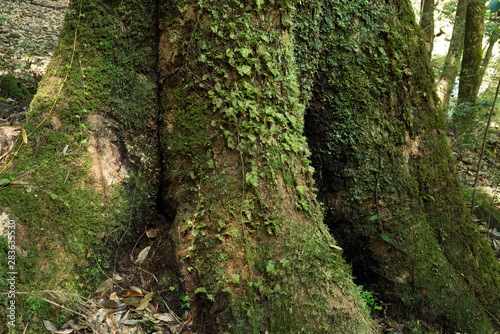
x: 200, y: 290
x: 245, y: 52
x: 252, y: 178
x: 494, y: 6
x: 374, y: 217
x: 428, y: 197
x: 53, y: 196
x: 385, y: 238
x: 245, y: 69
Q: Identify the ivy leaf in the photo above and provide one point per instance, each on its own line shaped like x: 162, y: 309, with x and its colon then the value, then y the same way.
x: 245, y: 52
x: 245, y: 69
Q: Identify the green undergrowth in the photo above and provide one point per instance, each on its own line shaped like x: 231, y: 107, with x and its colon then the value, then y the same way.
x: 378, y: 144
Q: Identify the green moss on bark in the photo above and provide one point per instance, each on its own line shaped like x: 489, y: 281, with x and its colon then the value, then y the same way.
x: 88, y: 170
x: 248, y: 230
x: 379, y: 148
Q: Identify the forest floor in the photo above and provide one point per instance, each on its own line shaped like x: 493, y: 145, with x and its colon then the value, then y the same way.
x: 28, y: 37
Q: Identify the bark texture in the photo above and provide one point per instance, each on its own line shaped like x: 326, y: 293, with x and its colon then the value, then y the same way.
x: 427, y: 24
x: 239, y: 179
x: 473, y: 50
x: 98, y: 101
x: 383, y: 168
x: 453, y: 57
x: 208, y: 145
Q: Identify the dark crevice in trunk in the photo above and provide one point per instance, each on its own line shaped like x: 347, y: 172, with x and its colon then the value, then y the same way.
x: 160, y: 204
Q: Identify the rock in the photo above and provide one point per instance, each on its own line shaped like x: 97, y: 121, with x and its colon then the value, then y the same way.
x: 13, y: 35
x: 15, y: 88
x: 469, y: 160
x: 5, y: 106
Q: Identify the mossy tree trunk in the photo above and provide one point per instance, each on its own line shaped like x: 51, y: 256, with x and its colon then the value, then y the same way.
x: 452, y: 62
x: 427, y: 24
x: 470, y: 79
x: 89, y: 171
x: 383, y: 167
x: 190, y: 112
x: 248, y: 231
x: 193, y: 112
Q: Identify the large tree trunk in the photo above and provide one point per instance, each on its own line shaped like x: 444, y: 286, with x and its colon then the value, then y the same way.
x: 473, y: 50
x: 452, y: 62
x: 239, y: 178
x: 207, y: 144
x: 215, y: 158
x: 90, y: 167
x: 385, y: 172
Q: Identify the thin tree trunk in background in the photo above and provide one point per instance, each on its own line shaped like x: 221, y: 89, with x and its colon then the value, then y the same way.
x: 427, y: 24
x: 487, y: 57
x: 471, y: 65
x: 473, y: 49
x: 452, y: 63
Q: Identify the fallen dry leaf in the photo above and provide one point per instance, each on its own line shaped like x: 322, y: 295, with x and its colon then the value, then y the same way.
x: 104, y: 286
x: 134, y: 292
x: 151, y: 233
x: 25, y: 136
x: 145, y: 302
x: 142, y: 255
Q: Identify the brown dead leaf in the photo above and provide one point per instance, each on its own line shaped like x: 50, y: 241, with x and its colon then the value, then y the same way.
x: 25, y: 136
x: 134, y: 301
x: 145, y: 302
x: 165, y: 317
x: 134, y: 292
x: 151, y: 233
x: 51, y: 328
x: 104, y: 286
x: 108, y: 303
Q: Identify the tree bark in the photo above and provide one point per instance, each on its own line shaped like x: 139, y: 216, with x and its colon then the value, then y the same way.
x: 206, y: 145
x: 471, y: 65
x: 238, y: 175
x: 452, y: 62
x: 189, y: 116
x: 427, y: 24
x: 384, y: 171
